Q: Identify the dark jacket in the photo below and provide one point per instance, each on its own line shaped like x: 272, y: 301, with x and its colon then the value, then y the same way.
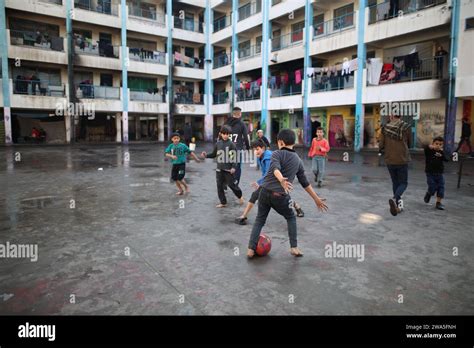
x: 265, y: 141
x: 394, y: 143
x: 239, y: 133
x: 466, y: 130
x: 226, y: 155
x: 434, y: 161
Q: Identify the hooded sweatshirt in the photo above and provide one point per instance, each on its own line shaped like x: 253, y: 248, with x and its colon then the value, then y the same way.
x: 239, y: 133
x: 264, y: 163
x: 394, y: 142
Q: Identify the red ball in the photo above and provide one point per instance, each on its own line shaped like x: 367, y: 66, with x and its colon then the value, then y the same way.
x: 264, y: 245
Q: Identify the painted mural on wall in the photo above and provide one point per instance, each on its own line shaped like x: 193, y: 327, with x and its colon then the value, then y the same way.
x: 430, y: 125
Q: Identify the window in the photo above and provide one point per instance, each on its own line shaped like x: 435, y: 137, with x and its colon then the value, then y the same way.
x: 244, y: 49
x: 245, y: 11
x: 189, y: 22
x: 297, y: 32
x: 344, y: 17
x: 469, y: 23
x: 220, y: 23
x: 318, y: 24
x: 106, y: 80
x: 258, y: 44
x: 189, y: 52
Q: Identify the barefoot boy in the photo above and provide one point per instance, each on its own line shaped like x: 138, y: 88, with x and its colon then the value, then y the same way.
x: 178, y: 152
x: 284, y: 166
x: 226, y: 154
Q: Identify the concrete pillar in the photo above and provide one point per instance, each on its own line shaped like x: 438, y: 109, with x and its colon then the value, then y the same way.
x: 137, y: 127
x: 118, y: 125
x: 161, y: 127
x: 67, y: 126
x: 5, y: 75
x: 361, y: 54
x: 208, y: 87
x: 265, y: 119
x: 308, y: 30
x: 125, y: 63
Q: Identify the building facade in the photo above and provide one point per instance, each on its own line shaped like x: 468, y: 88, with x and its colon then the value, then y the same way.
x: 128, y: 70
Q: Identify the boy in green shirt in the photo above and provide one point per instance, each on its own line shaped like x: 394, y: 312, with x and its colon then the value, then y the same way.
x: 178, y: 152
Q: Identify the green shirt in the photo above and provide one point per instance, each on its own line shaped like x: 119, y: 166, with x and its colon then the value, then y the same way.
x: 181, y: 151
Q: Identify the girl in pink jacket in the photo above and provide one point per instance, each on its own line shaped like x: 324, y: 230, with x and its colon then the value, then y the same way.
x: 318, y: 153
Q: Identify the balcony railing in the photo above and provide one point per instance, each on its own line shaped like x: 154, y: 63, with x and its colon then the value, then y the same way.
x: 222, y: 23
x: 148, y: 96
x: 39, y: 88
x: 86, y: 91
x: 221, y: 60
x: 384, y: 11
x: 186, y: 98
x: 142, y: 55
x: 248, y: 94
x: 100, y: 6
x: 426, y: 69
x: 221, y: 98
x: 185, y: 65
x: 190, y: 25
x: 250, y: 9
x: 335, y: 25
x: 322, y: 83
x: 145, y: 14
x: 37, y: 40
x: 250, y: 51
x: 98, y: 49
x: 286, y: 90
x: 287, y: 40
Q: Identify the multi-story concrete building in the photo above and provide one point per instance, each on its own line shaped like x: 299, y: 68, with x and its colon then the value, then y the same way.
x: 288, y: 64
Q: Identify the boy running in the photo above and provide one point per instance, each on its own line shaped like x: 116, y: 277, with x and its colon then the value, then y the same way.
x: 434, y: 171
x: 225, y: 151
x: 284, y: 166
x: 178, y: 152
x: 263, y: 158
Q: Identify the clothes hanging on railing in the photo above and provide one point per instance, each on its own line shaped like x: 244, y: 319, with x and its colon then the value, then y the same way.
x: 374, y: 69
x: 298, y: 77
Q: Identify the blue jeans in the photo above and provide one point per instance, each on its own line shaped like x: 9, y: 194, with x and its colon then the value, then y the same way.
x: 319, y: 167
x: 399, y: 176
x: 283, y: 205
x: 435, y: 184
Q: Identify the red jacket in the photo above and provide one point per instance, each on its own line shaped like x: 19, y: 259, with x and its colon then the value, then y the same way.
x: 323, y: 148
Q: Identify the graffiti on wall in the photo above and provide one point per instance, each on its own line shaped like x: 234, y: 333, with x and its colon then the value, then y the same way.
x: 430, y: 125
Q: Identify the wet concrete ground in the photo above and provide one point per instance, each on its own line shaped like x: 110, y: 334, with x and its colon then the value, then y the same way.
x: 182, y: 253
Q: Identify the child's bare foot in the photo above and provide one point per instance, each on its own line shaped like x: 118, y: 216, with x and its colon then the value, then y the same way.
x: 250, y: 253
x: 221, y: 205
x: 296, y: 252
x: 241, y: 200
x: 188, y: 190
x: 179, y: 193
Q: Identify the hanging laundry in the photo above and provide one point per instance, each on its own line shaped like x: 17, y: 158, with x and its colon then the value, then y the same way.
x: 298, y: 77
x: 383, y: 10
x: 345, y: 67
x: 374, y: 69
x: 387, y: 67
x: 191, y: 62
x: 310, y: 72
x: 284, y: 78
x: 273, y: 82
x: 196, y: 98
x: 177, y: 56
x: 259, y: 81
x: 353, y: 65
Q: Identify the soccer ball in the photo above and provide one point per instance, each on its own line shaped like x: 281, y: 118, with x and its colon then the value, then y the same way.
x: 264, y: 245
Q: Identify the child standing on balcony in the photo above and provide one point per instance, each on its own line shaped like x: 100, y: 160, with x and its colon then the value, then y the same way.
x: 318, y: 153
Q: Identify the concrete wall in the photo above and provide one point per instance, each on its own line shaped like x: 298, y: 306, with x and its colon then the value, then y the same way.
x: 465, y: 70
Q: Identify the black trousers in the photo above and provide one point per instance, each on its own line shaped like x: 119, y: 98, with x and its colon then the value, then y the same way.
x: 224, y: 178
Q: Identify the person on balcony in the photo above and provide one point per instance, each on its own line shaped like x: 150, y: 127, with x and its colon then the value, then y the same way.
x: 439, y: 58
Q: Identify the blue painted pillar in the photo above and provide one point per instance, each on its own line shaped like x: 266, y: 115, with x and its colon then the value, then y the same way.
x: 169, y: 50
x: 265, y: 118
x: 235, y: 49
x: 451, y: 101
x: 5, y: 75
x: 361, y: 55
x: 308, y: 30
x: 208, y: 87
x: 125, y: 63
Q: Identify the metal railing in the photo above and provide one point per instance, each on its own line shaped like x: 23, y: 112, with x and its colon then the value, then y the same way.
x: 288, y: 40
x: 37, y: 40
x: 249, y: 52
x: 142, y: 55
x: 186, y: 98
x: 149, y: 96
x: 250, y: 9
x: 145, y: 14
x: 98, y: 49
x: 190, y: 25
x: 286, y: 90
x: 221, y: 60
x: 426, y: 69
x: 248, y: 94
x: 221, y: 98
x: 334, y: 25
x: 100, y: 6
x: 39, y: 88
x: 323, y: 83
x: 86, y: 91
x: 185, y: 65
x: 384, y: 11
x: 222, y: 23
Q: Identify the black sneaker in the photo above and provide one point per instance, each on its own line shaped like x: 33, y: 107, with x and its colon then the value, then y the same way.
x: 315, y: 178
x: 241, y: 221
x: 393, y: 207
x: 427, y: 197
x: 299, y: 212
x: 320, y: 184
x: 439, y: 206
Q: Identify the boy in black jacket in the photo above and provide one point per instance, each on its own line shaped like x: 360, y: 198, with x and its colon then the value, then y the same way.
x: 434, y: 171
x: 226, y: 154
x: 284, y: 166
x: 239, y: 135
